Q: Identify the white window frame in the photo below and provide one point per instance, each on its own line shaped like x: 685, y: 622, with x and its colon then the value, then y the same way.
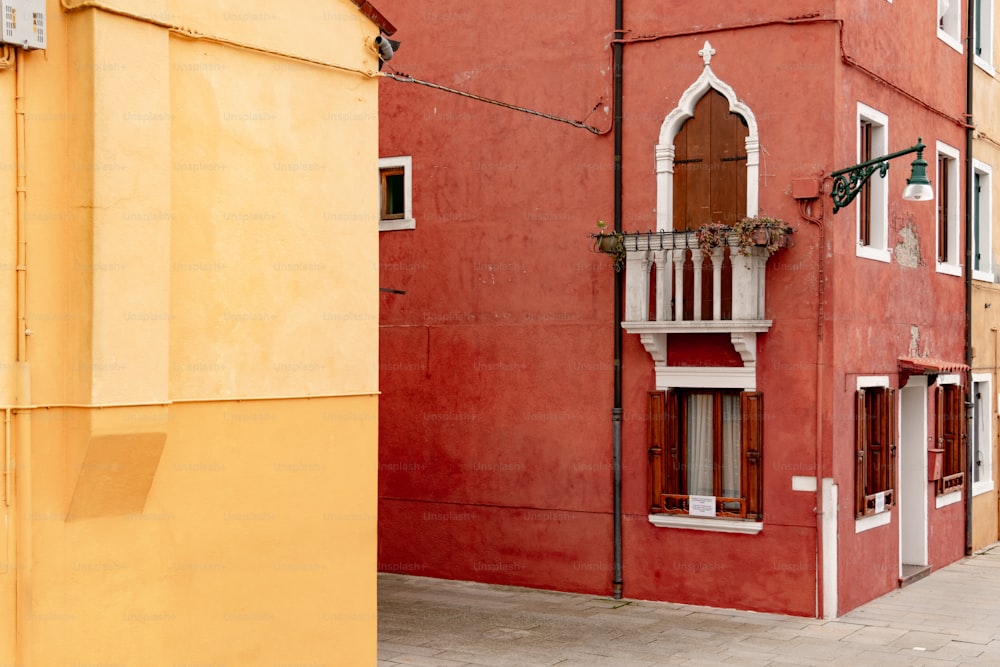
x: 878, y: 249
x: 983, y: 204
x: 949, y: 23
x: 407, y: 221
x: 984, y: 28
x: 982, y: 440
x: 953, y: 264
x: 882, y: 518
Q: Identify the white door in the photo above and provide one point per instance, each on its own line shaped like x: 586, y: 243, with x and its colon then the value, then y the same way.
x: 912, y: 480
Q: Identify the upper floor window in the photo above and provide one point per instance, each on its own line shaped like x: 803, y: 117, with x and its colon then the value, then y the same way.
x: 948, y: 250
x: 983, y: 36
x: 873, y: 200
x: 705, y: 453
x: 395, y: 193
x: 949, y: 16
x: 710, y: 166
x: 982, y: 210
x: 875, y: 444
x: 707, y: 156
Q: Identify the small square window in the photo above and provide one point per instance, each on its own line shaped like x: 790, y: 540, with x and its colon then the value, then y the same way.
x: 395, y: 193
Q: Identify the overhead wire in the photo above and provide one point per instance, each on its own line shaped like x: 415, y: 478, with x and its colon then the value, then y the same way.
x: 406, y: 78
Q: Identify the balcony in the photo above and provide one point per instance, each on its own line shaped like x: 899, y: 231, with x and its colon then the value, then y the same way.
x: 673, y: 284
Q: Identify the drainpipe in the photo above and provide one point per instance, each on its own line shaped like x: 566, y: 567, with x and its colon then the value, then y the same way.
x: 616, y: 411
x: 22, y: 418
x: 970, y: 454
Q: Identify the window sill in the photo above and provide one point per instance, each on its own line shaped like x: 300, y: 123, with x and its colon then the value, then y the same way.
x: 396, y: 225
x: 949, y: 40
x: 949, y: 269
x: 873, y: 521
x: 707, y: 524
x: 985, y: 65
x: 949, y: 498
x: 979, y: 488
x: 871, y: 252
x: 985, y: 276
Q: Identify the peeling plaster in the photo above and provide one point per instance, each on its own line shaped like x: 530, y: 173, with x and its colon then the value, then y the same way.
x: 907, y: 251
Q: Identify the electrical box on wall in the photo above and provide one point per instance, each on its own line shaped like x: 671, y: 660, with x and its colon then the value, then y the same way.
x: 23, y: 23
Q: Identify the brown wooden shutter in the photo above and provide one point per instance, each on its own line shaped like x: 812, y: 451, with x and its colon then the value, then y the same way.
x: 752, y: 441
x: 963, y: 431
x: 673, y: 455
x: 860, y: 451
x: 710, y: 165
x: 657, y: 399
x: 889, y: 417
x: 952, y: 429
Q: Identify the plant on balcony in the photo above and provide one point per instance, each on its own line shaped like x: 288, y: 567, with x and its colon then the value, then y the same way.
x: 712, y: 235
x: 611, y: 243
x: 761, y: 232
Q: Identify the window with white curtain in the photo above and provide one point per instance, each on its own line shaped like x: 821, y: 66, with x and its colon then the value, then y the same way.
x: 705, y: 453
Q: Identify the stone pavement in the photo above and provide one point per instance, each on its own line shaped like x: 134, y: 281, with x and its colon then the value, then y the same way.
x: 948, y: 619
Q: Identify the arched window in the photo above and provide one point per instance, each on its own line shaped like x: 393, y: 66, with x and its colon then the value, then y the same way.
x: 710, y: 165
x: 707, y: 156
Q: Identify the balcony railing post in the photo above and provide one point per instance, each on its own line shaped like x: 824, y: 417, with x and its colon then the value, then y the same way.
x: 661, y: 259
x: 697, y: 259
x: 679, y: 256
x: 718, y: 256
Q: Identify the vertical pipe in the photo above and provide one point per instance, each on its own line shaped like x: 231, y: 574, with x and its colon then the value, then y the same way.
x: 970, y: 453
x: 616, y: 412
x: 22, y: 426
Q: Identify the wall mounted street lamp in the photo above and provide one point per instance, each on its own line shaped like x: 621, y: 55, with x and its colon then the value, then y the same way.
x: 847, y: 183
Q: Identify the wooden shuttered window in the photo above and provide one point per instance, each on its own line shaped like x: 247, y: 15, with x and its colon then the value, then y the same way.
x: 875, y: 450
x: 951, y: 436
x: 671, y: 471
x: 710, y: 166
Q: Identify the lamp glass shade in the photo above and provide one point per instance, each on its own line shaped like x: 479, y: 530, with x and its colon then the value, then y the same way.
x: 918, y: 192
x: 918, y: 187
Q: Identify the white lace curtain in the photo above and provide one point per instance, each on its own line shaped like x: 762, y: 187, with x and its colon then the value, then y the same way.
x: 701, y: 445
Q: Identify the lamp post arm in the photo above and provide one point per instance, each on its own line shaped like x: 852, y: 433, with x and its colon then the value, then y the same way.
x: 847, y: 183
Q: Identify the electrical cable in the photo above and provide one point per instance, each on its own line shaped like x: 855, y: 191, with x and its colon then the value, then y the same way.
x: 406, y: 78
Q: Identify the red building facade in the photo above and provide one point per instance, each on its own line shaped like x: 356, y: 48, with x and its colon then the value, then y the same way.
x: 777, y: 404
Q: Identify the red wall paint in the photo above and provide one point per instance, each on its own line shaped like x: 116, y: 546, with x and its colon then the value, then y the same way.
x: 497, y: 365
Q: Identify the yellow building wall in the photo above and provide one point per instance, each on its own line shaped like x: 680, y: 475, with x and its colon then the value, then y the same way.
x: 193, y: 414
x: 985, y: 306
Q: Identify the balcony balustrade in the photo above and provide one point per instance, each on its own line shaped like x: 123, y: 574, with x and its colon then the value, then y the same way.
x: 674, y: 285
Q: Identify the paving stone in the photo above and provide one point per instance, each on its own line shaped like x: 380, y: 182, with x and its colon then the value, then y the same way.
x: 953, y: 615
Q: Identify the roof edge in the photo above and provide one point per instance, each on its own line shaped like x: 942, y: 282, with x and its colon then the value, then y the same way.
x: 376, y: 16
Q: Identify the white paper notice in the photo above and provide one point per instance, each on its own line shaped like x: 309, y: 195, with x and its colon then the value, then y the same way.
x: 701, y: 505
x: 879, y: 502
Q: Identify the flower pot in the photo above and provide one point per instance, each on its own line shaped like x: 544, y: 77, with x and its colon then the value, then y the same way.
x: 607, y: 243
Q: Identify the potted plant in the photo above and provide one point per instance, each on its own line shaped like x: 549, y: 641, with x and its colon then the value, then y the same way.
x: 761, y: 232
x: 712, y: 235
x: 611, y: 243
